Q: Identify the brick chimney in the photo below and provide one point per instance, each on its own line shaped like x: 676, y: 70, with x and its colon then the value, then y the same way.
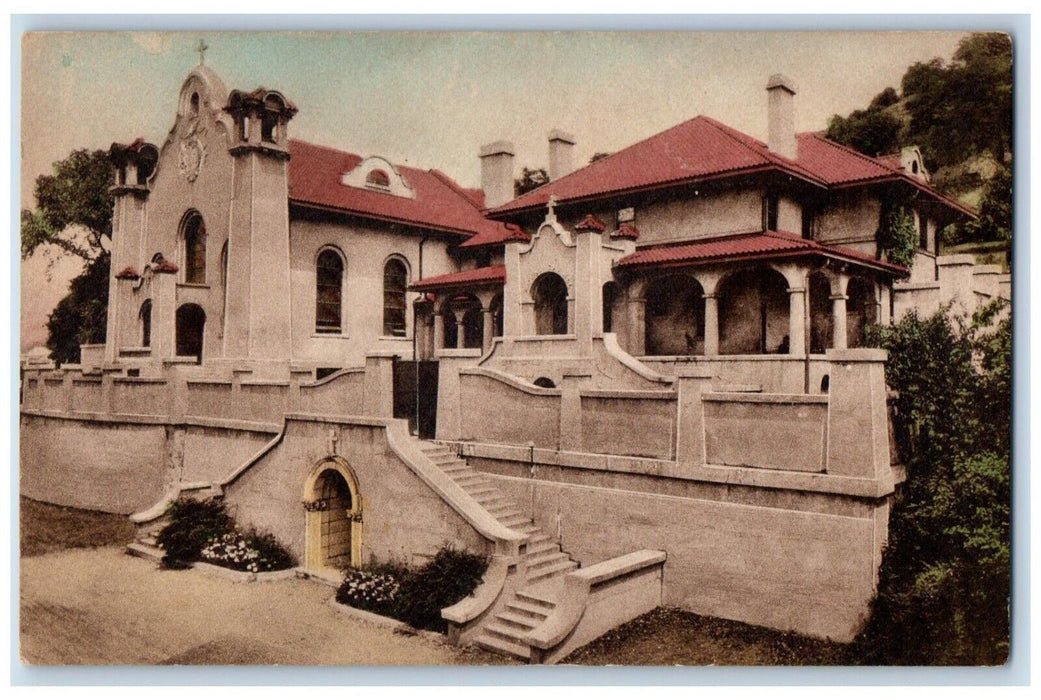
x: 497, y: 173
x: 781, y: 116
x: 561, y: 145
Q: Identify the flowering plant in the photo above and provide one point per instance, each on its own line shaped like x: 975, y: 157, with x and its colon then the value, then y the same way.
x: 369, y: 590
x: 241, y: 552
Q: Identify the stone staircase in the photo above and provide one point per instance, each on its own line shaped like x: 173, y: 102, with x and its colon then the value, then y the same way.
x: 543, y: 564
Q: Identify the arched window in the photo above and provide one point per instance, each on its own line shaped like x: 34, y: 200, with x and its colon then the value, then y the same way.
x: 550, y: 295
x: 145, y: 316
x: 395, y: 283
x: 378, y: 179
x: 194, y: 235
x: 329, y: 292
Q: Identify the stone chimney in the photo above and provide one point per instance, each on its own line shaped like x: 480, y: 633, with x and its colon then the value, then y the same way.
x: 561, y: 144
x: 781, y: 116
x: 497, y: 173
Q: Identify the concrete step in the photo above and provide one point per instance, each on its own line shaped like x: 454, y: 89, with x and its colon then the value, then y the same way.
x: 519, y: 522
x: 529, y: 611
x: 492, y: 499
x: 481, y: 491
x: 541, y: 546
x: 472, y: 481
x: 557, y: 569
x: 501, y: 646
x: 533, y: 599
x: 504, y: 511
x: 520, y: 621
x: 504, y: 632
x: 446, y: 460
x: 457, y: 469
x: 540, y: 560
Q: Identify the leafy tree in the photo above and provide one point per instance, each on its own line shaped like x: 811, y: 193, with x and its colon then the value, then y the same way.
x: 945, y: 576
x: 874, y: 131
x: 74, y: 217
x: 529, y: 180
x: 598, y: 155
x: 963, y: 108
x: 995, y: 220
x: 74, y: 208
x: 81, y: 314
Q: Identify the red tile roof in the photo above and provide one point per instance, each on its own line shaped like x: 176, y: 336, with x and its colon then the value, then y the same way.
x: 495, y: 274
x: 590, y: 223
x: 509, y: 232
x: 772, y: 244
x: 626, y: 230
x: 703, y: 148
x: 440, y: 203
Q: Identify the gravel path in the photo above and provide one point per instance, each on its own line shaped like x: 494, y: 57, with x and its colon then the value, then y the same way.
x: 100, y: 606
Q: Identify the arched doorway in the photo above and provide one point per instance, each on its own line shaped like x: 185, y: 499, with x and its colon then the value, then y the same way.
x: 675, y: 316
x: 549, y: 292
x: 820, y: 313
x: 861, y: 310
x: 333, y: 510
x: 753, y: 317
x: 191, y: 325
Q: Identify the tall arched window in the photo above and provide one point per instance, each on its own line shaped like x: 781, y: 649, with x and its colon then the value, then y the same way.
x: 145, y: 316
x: 329, y: 292
x: 194, y: 234
x: 550, y: 296
x: 395, y: 283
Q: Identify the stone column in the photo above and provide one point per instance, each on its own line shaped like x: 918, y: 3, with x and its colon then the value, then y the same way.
x: 460, y: 331
x: 838, y: 321
x: 858, y: 419
x: 711, y: 325
x: 690, y: 415
x: 439, y: 333
x: 797, y: 321
x: 489, y: 329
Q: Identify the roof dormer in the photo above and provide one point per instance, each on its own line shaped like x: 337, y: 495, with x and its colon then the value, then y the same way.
x: 379, y: 175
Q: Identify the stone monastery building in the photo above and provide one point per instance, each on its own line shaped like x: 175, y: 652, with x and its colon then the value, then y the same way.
x: 641, y: 383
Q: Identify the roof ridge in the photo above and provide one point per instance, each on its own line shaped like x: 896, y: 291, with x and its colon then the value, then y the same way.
x: 455, y: 187
x: 599, y: 160
x: 874, y: 160
x: 772, y: 158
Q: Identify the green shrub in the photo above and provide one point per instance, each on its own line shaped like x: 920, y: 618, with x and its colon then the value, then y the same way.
x: 193, y: 524
x: 944, y: 583
x: 414, y: 596
x: 203, y: 530
x: 443, y: 581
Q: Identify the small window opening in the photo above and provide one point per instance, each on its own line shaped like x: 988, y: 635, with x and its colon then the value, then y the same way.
x: 770, y: 213
x: 269, y: 127
x: 825, y: 382
x: 195, y: 104
x: 378, y: 178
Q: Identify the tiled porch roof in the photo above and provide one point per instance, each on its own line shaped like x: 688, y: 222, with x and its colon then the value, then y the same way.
x: 760, y: 246
x: 494, y: 274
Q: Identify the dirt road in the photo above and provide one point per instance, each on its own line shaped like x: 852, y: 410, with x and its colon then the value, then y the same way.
x: 99, y: 606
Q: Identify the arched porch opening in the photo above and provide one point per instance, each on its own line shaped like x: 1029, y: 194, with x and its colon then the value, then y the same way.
x: 333, y: 512
x: 496, y: 307
x: 611, y: 296
x: 675, y: 316
x: 549, y: 292
x: 190, y: 330
x: 754, y: 313
x: 463, y: 322
x: 861, y: 310
x: 820, y: 313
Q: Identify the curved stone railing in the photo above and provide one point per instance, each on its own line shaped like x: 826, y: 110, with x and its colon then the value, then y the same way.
x: 465, y: 615
x: 506, y: 542
x: 586, y: 609
x: 615, y: 351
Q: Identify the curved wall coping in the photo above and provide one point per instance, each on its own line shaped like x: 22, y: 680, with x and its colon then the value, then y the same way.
x: 610, y: 341
x: 509, y: 379
x: 335, y: 375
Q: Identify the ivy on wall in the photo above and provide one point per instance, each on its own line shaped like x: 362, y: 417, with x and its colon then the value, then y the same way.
x: 897, y: 236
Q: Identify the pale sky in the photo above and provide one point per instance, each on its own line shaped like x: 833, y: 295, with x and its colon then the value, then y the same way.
x: 430, y: 100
